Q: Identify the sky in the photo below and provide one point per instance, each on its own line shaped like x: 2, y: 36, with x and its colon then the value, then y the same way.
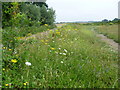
x: 84, y: 10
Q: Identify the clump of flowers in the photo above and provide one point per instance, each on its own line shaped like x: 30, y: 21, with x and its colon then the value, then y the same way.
x: 6, y: 84
x: 46, y: 24
x: 58, y: 33
x: 52, y: 48
x: 4, y: 47
x: 3, y: 69
x: 46, y: 43
x: 61, y: 62
x: 14, y: 60
x: 25, y: 83
x: 28, y: 63
x: 10, y: 49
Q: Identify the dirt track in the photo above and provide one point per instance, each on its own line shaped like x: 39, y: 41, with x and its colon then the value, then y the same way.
x: 110, y: 42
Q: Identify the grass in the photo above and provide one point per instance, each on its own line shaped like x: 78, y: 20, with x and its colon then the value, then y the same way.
x: 69, y: 57
x: 111, y: 31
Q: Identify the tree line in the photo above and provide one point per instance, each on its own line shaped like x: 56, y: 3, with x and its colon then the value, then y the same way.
x: 26, y: 14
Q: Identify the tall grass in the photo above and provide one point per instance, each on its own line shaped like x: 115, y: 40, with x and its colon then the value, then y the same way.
x: 69, y: 57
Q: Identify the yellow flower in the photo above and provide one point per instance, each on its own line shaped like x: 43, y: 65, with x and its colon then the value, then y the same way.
x: 14, y: 60
x: 52, y: 48
x: 42, y: 40
x: 58, y: 33
x: 4, y: 47
x: 25, y: 84
x: 6, y: 84
x: 3, y: 69
x: 16, y: 55
x: 46, y: 24
x: 56, y: 30
x: 9, y: 49
x: 46, y: 40
x: 46, y: 43
x: 51, y: 31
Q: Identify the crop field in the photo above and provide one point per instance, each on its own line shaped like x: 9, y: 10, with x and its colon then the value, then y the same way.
x: 70, y: 56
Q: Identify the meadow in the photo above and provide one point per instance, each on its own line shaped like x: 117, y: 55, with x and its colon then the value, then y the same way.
x: 68, y: 57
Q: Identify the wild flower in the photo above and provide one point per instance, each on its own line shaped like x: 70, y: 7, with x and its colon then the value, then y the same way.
x: 9, y: 49
x: 14, y: 60
x: 46, y: 24
x: 16, y: 55
x: 25, y: 83
x: 42, y: 40
x: 51, y: 31
x: 58, y: 33
x: 3, y: 69
x: 46, y: 40
x: 59, y: 48
x: 60, y: 53
x: 61, y: 62
x: 65, y: 50
x: 64, y: 53
x: 4, y: 47
x: 28, y: 63
x: 6, y: 84
x: 52, y: 48
x: 46, y: 43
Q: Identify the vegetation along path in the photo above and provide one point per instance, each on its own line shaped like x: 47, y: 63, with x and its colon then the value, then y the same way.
x: 104, y: 38
x: 109, y: 41
x: 41, y: 35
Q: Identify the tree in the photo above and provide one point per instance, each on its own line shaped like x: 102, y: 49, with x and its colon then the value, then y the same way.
x: 47, y: 15
x: 105, y: 20
x: 116, y: 20
x: 32, y: 11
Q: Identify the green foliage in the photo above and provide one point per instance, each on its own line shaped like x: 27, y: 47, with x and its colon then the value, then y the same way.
x: 9, y: 12
x: 27, y: 14
x: 32, y: 11
x: 69, y: 57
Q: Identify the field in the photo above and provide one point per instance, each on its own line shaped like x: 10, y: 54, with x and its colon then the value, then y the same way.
x: 68, y: 57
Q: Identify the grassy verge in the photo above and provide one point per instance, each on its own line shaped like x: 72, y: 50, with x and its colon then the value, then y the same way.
x: 111, y: 31
x: 70, y: 57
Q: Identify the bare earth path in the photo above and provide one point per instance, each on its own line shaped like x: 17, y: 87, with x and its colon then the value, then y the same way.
x: 109, y: 41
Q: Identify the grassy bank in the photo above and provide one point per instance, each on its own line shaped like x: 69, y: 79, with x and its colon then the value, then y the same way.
x: 69, y: 57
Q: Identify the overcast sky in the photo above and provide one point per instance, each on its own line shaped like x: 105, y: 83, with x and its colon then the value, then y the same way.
x: 84, y: 10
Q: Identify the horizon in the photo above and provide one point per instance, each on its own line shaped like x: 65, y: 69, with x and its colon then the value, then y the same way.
x: 87, y: 10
